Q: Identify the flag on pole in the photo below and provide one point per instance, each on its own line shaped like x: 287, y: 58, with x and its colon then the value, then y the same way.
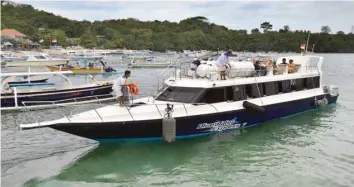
x: 302, y: 46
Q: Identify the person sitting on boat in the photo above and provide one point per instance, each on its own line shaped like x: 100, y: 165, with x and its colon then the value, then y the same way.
x: 90, y: 65
x: 69, y: 66
x: 222, y: 63
x: 77, y: 65
x: 257, y: 66
x: 283, y: 61
x: 261, y: 69
x: 195, y: 64
x: 117, y: 86
x: 110, y: 69
x: 292, y: 66
x: 275, y: 68
x: 268, y: 63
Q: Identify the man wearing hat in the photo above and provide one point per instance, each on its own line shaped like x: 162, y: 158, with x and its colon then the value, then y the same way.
x: 222, y: 62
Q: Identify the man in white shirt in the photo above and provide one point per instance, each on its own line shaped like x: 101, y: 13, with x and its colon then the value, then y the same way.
x: 117, y: 86
x: 222, y: 61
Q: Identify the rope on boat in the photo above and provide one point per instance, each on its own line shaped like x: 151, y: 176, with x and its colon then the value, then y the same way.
x: 168, y: 110
x: 169, y: 125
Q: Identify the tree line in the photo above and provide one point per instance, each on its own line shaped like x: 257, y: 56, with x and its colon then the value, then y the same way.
x: 192, y: 33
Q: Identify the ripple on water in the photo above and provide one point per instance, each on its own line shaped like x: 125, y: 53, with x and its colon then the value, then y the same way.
x: 311, y: 149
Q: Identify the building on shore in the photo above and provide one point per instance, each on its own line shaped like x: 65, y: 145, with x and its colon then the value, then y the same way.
x: 7, y: 34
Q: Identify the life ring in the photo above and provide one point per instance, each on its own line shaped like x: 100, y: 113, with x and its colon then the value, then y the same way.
x: 133, y: 89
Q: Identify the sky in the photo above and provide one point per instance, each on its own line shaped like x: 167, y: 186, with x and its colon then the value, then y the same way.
x: 298, y: 15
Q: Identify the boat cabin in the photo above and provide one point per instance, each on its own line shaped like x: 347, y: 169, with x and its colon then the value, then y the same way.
x: 186, y: 88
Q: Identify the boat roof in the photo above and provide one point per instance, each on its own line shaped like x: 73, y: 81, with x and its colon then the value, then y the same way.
x: 35, y: 73
x: 307, y: 66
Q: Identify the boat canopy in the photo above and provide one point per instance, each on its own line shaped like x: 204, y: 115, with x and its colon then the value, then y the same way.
x: 34, y: 73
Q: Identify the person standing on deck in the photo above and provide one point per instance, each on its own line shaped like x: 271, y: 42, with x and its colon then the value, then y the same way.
x: 194, y: 67
x: 117, y: 86
x: 221, y: 62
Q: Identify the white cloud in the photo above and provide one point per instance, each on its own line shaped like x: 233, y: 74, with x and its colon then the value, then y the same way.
x: 304, y: 15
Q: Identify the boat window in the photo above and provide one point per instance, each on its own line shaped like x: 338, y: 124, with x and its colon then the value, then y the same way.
x: 297, y: 84
x: 229, y: 94
x: 284, y: 86
x: 236, y: 93
x: 40, y: 57
x: 270, y: 88
x: 254, y: 91
x: 311, y: 82
x: 180, y: 94
x: 316, y: 81
x: 214, y: 95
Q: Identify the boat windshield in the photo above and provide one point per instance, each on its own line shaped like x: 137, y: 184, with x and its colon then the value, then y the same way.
x: 181, y: 94
x: 40, y: 57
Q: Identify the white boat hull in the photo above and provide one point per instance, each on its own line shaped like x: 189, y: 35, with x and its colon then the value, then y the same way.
x: 149, y: 65
x: 34, y: 63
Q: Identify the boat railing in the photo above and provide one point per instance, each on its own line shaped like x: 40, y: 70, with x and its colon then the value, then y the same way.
x: 168, y: 72
x: 69, y: 114
x: 165, y: 104
x: 186, y: 72
x: 64, y: 101
x: 63, y: 105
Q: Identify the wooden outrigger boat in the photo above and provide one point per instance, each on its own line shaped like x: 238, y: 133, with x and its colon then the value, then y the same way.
x: 85, y: 64
x: 37, y: 95
x: 81, y: 70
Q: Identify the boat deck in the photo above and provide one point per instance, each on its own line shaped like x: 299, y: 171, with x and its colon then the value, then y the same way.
x: 156, y: 109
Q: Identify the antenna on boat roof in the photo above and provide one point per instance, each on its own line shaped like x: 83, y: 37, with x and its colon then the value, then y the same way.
x: 313, y: 47
x: 307, y: 43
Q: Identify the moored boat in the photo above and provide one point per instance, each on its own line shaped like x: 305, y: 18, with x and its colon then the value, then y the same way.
x: 197, y: 103
x: 81, y: 70
x: 29, y: 60
x: 84, y: 64
x: 140, y: 64
x: 9, y: 56
x: 34, y: 94
x: 23, y: 76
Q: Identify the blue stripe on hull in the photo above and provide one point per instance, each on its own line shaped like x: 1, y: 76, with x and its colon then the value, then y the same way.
x: 204, y: 134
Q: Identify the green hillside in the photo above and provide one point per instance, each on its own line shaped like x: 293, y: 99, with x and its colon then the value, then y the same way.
x: 191, y: 33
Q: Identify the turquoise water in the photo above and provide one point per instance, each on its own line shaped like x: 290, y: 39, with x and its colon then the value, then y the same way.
x: 310, y: 149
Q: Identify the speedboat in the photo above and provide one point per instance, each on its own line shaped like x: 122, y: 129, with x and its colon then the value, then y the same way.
x: 10, y: 56
x: 137, y: 57
x: 148, y: 64
x: 197, y: 103
x: 35, y: 60
x: 35, y: 95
